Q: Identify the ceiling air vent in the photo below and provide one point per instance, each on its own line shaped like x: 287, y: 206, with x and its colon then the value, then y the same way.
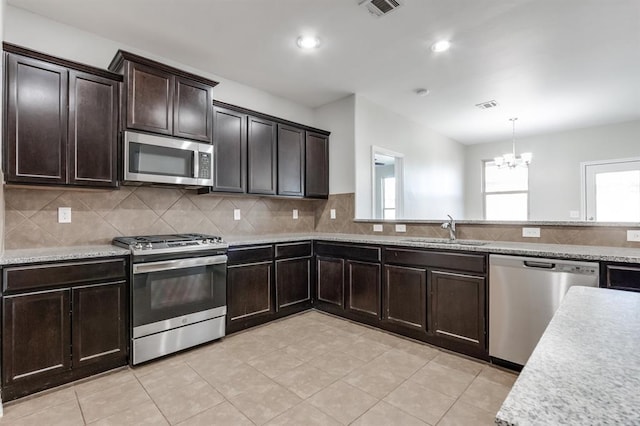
x: 380, y: 7
x: 487, y: 104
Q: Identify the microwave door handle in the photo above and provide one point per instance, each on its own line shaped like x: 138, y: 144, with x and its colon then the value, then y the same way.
x: 169, y: 265
x: 196, y: 164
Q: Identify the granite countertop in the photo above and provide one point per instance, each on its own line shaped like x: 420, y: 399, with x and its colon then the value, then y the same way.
x: 52, y: 254
x: 595, y: 253
x: 586, y: 367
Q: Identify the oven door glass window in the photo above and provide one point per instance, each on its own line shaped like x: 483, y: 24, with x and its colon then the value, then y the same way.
x: 160, y: 160
x: 163, y: 295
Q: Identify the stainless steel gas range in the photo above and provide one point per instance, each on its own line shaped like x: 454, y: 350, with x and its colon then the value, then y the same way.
x: 178, y: 292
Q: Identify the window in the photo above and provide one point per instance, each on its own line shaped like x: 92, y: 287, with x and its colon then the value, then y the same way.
x: 505, y: 192
x: 612, y: 190
x: 389, y: 198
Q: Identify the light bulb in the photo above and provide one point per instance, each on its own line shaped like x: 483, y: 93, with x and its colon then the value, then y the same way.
x: 441, y: 46
x: 308, y: 42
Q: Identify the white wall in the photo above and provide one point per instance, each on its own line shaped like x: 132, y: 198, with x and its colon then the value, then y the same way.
x: 339, y: 118
x: 433, y: 164
x: 39, y: 33
x: 554, y: 174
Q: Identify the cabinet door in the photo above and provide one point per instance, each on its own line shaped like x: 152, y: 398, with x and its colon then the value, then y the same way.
x: 99, y: 323
x: 317, y: 166
x: 458, y: 307
x: 261, y: 156
x: 249, y: 291
x: 149, y: 99
x: 230, y: 145
x: 192, y: 110
x: 405, y: 297
x: 293, y: 282
x: 35, y: 336
x: 290, y: 160
x: 363, y: 288
x: 36, y: 121
x: 330, y: 280
x: 93, y: 129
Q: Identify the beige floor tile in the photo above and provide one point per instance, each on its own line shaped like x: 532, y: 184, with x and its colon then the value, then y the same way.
x: 343, y: 402
x: 275, y: 363
x: 238, y: 380
x: 438, y: 377
x: 113, y: 400
x: 224, y: 414
x: 66, y: 414
x: 382, y: 337
x: 400, y: 362
x: 164, y: 381
x: 462, y: 414
x: 336, y: 363
x: 95, y: 384
x: 262, y: 405
x: 187, y: 401
x: 306, y: 349
x: 459, y: 362
x: 146, y: 414
x: 420, y: 402
x: 303, y: 414
x: 305, y: 380
x: 30, y: 405
x: 383, y: 414
x: 376, y: 381
x: 365, y: 349
x: 497, y: 375
x: 485, y: 394
x: 420, y: 350
x: 159, y: 364
x: 351, y: 328
x: 215, y: 366
x: 247, y: 348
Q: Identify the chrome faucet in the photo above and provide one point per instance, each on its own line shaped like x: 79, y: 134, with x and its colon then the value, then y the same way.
x: 451, y: 225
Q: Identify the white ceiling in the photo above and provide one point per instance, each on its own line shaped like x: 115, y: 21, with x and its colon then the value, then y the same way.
x: 555, y: 64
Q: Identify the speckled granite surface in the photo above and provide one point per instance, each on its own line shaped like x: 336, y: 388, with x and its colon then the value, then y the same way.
x: 14, y: 257
x: 586, y: 367
x: 609, y: 254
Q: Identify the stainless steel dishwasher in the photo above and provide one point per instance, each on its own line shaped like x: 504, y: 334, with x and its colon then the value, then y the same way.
x: 524, y: 293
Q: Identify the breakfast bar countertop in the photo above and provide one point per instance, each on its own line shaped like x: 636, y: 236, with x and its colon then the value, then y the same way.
x: 586, y: 367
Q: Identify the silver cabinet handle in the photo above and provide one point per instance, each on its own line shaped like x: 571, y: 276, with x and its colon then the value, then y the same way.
x: 143, y: 268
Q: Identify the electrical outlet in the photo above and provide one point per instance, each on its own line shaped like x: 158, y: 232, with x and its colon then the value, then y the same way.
x: 64, y: 214
x: 377, y: 228
x: 401, y: 228
x: 531, y: 232
x: 332, y: 212
x: 295, y: 213
x: 236, y: 214
x: 574, y: 214
x: 633, y: 235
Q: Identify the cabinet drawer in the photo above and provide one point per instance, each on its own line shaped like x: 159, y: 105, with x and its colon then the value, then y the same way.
x: 354, y: 252
x: 252, y: 254
x: 58, y: 274
x: 623, y: 277
x: 293, y: 249
x: 435, y: 259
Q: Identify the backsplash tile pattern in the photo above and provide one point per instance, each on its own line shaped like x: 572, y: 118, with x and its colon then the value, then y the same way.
x: 98, y: 216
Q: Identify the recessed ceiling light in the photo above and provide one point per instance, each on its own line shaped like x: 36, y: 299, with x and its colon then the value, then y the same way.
x: 308, y: 42
x: 422, y: 92
x: 441, y: 46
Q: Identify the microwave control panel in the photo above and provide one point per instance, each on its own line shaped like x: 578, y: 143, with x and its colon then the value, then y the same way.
x: 204, y: 169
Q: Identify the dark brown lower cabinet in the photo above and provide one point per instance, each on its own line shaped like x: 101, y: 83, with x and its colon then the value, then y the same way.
x: 293, y: 282
x: 363, y: 288
x: 249, y: 292
x: 405, y: 298
x: 330, y: 280
x: 458, y: 308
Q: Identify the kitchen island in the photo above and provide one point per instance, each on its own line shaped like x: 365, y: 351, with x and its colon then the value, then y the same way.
x: 586, y: 367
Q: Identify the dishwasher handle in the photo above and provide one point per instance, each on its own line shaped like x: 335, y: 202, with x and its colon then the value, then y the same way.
x: 539, y: 265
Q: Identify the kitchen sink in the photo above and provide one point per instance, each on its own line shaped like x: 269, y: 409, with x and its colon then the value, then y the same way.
x: 446, y: 241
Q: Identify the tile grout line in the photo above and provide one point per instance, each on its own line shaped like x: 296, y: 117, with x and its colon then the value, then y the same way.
x: 84, y: 420
x: 152, y: 400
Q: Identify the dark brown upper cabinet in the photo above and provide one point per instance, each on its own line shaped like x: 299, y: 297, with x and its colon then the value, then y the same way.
x: 230, y: 150
x: 61, y: 121
x: 165, y: 100
x: 262, y: 156
x: 290, y: 160
x: 316, y: 165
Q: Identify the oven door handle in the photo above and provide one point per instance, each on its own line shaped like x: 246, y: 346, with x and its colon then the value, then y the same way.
x: 145, y: 268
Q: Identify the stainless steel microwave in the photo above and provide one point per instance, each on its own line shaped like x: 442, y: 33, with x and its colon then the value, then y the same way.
x: 162, y: 159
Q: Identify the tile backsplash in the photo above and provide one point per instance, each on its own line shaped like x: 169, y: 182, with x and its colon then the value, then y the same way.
x: 98, y: 216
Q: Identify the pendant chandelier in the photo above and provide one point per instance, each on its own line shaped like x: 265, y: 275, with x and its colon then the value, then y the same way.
x: 510, y: 159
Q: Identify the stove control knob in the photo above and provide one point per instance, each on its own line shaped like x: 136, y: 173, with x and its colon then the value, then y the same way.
x: 148, y: 246
x: 137, y: 246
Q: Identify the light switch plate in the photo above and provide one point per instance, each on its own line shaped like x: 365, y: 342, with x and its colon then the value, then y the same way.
x: 633, y: 235
x: 401, y: 228
x: 531, y: 232
x: 64, y: 214
x: 332, y: 212
x: 295, y: 213
x: 236, y: 214
x: 574, y: 214
x: 377, y: 228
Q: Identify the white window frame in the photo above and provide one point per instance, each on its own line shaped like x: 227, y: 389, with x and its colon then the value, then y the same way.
x: 485, y: 193
x: 399, y: 175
